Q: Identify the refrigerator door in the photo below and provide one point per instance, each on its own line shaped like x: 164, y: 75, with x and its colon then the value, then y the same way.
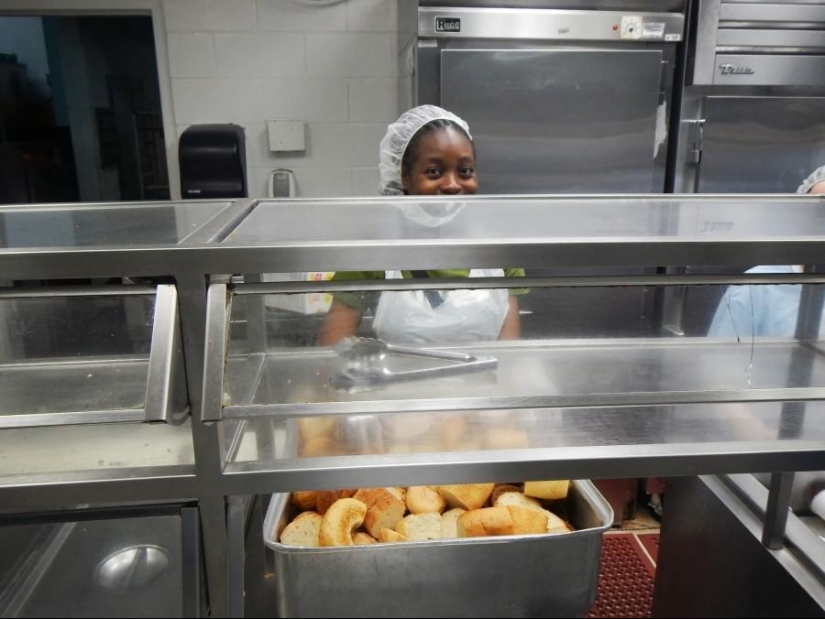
x: 760, y: 144
x: 560, y: 120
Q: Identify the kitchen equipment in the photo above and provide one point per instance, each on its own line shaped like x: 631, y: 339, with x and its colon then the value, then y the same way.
x: 512, y: 576
x: 558, y: 100
x: 368, y: 363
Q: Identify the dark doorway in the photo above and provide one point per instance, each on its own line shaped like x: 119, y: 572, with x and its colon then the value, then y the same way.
x: 80, y: 114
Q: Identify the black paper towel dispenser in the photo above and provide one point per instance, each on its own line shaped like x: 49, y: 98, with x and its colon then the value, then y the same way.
x: 212, y: 162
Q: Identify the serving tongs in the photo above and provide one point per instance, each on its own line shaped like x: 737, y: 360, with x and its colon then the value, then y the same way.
x: 366, y: 363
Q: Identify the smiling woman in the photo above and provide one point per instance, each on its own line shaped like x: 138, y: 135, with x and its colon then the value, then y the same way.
x: 427, y: 151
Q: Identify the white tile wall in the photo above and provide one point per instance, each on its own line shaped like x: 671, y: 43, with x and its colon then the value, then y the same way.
x: 373, y: 15
x: 209, y: 15
x: 334, y: 67
x: 293, y: 17
x: 260, y: 54
x: 191, y: 54
x: 343, y: 54
x: 373, y: 100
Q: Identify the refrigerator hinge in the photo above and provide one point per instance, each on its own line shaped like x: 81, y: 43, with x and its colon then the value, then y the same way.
x: 695, y: 155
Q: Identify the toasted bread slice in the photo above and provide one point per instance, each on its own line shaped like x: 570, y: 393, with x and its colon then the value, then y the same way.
x: 486, y: 521
x: 384, y: 509
x: 550, y: 490
x: 423, y: 500
x: 340, y: 522
x: 388, y: 535
x: 466, y: 496
x: 517, y: 498
x: 304, y: 531
x: 420, y: 527
x: 528, y: 520
x: 449, y: 522
x: 363, y: 539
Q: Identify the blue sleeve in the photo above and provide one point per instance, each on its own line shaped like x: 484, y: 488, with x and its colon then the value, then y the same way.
x: 734, y: 315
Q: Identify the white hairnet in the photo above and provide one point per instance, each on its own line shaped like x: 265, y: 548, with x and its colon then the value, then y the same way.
x: 815, y: 177
x: 398, y: 136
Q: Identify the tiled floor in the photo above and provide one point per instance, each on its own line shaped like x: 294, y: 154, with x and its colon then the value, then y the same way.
x: 626, y: 574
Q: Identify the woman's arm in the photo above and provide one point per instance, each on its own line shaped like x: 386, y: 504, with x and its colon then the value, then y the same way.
x: 342, y: 321
x: 511, y: 329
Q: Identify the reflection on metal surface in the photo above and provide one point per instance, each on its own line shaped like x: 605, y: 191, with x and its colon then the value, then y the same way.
x: 367, y: 364
x: 132, y: 567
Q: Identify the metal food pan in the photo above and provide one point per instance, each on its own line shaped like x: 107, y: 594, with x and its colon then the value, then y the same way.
x: 509, y: 576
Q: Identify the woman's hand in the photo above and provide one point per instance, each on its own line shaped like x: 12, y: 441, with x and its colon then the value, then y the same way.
x: 511, y: 329
x: 342, y: 321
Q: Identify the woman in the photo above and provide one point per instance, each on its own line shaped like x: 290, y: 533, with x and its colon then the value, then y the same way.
x: 427, y: 151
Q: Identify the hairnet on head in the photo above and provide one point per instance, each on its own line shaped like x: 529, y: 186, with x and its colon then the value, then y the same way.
x: 815, y: 177
x: 395, y: 141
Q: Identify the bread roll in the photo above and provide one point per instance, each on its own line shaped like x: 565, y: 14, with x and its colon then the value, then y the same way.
x: 452, y: 432
x: 486, y: 521
x: 528, y: 520
x: 340, y: 522
x: 388, y: 535
x: 420, y: 527
x: 363, y: 539
x: 304, y: 500
x: 325, y: 498
x: 466, y: 496
x: 507, y: 438
x: 304, y: 531
x: 500, y: 489
x: 517, y: 498
x: 550, y: 490
x: 315, y: 427
x: 399, y: 492
x: 317, y: 447
x: 556, y: 524
x: 449, y: 522
x: 423, y: 500
x: 384, y: 509
x: 407, y: 426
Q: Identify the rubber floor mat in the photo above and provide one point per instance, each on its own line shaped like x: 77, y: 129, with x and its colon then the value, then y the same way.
x: 625, y: 577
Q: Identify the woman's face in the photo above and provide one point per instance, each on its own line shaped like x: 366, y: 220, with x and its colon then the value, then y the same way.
x: 443, y: 164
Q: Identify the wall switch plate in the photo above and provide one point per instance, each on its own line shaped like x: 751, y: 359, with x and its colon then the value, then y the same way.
x: 286, y: 136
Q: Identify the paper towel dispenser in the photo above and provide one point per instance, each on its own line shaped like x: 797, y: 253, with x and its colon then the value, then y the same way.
x: 213, y: 162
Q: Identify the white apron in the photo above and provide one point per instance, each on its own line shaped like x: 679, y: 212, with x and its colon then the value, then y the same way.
x: 406, y: 316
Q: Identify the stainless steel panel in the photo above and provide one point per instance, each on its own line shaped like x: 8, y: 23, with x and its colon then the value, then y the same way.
x: 765, y: 39
x: 120, y: 567
x: 66, y: 387
x: 761, y: 144
x: 566, y: 373
x: 104, y: 224
x: 513, y: 576
x: 589, y: 5
x: 767, y: 70
x: 772, y: 12
x: 165, y: 386
x: 711, y: 532
x: 565, y: 133
x: 549, y: 25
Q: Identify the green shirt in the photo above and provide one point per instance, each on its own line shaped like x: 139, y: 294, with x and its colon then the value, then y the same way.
x: 361, y: 300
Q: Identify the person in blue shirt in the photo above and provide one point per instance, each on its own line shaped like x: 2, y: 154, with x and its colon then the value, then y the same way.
x: 766, y: 310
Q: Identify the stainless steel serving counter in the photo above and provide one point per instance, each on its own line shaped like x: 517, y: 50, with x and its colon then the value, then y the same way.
x: 554, y: 407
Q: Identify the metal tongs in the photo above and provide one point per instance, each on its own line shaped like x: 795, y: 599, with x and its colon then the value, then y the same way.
x: 366, y: 363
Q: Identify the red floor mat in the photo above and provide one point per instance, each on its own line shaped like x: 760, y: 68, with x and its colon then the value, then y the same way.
x: 651, y: 543
x: 625, y: 578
